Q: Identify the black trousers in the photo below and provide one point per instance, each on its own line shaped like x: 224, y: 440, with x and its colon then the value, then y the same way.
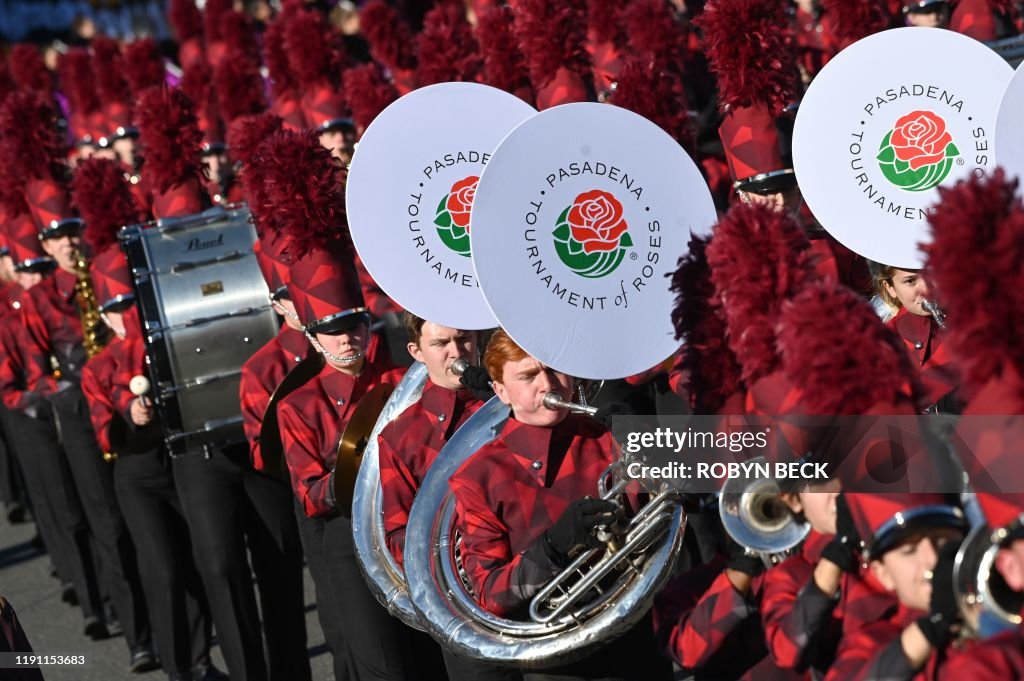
x: 467, y: 669
x: 380, y: 645
x: 94, y: 480
x: 311, y: 530
x: 226, y: 502
x: 633, y: 657
x: 12, y: 485
x: 178, y: 608
x: 57, y: 508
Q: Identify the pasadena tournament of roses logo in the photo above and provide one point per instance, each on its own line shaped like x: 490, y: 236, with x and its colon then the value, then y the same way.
x: 453, y: 215
x: 918, y: 153
x: 591, y: 236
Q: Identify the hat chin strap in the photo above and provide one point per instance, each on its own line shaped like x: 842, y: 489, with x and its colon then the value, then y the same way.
x: 285, y: 311
x: 334, y: 358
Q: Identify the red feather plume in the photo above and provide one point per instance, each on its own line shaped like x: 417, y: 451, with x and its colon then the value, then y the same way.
x: 275, y: 56
x: 186, y: 20
x: 29, y: 71
x: 239, y: 34
x: 143, y: 65
x: 7, y: 84
x: 104, y: 200
x: 552, y: 35
x: 446, y: 48
x: 369, y: 92
x: 856, y: 19
x: 169, y: 136
x: 108, y: 67
x: 239, y: 86
x: 315, y: 52
x: 975, y: 259
x: 76, y: 81
x: 303, y: 191
x: 837, y: 351
x: 658, y: 96
x: 711, y: 367
x: 246, y: 133
x: 603, y: 22
x: 504, y: 64
x: 654, y: 32
x: 758, y: 258
x: 391, y: 40
x: 31, y: 146
x: 213, y: 12
x: 750, y: 47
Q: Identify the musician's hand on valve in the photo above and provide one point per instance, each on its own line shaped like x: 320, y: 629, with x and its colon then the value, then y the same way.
x: 577, y: 526
x: 141, y: 411
x: 742, y: 560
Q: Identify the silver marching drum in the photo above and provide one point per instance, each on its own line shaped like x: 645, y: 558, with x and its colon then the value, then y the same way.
x: 204, y: 309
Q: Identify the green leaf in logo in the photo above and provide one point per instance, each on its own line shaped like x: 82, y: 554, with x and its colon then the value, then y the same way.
x: 900, y: 174
x: 589, y: 265
x: 453, y: 236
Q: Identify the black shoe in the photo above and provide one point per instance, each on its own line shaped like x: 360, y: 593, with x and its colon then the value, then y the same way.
x: 110, y: 619
x: 142, y: 659
x: 69, y: 596
x: 96, y: 629
x: 207, y: 672
x: 15, y: 513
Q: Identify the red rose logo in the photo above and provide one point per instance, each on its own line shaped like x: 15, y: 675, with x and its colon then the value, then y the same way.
x: 596, y: 221
x: 460, y: 201
x: 920, y: 139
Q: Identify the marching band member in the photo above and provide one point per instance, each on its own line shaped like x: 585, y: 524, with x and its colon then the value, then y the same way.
x: 305, y: 193
x: 756, y: 95
x: 524, y: 507
x: 228, y: 505
x: 409, y: 445
x: 911, y: 541
x: 261, y: 375
x: 905, y: 292
x: 29, y: 424
x: 53, y: 332
x: 144, y: 481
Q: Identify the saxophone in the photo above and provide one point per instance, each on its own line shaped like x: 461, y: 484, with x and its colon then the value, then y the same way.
x: 94, y: 335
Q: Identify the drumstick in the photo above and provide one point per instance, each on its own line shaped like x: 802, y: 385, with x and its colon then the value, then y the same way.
x: 139, y: 385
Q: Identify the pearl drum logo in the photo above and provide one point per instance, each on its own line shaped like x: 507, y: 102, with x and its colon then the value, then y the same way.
x: 918, y: 153
x: 591, y: 236
x: 453, y: 215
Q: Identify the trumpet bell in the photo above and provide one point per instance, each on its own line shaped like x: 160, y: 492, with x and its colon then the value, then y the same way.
x: 978, y: 586
x: 441, y: 594
x: 757, y: 519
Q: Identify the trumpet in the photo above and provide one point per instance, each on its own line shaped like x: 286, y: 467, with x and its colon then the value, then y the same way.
x: 935, y: 311
x: 979, y: 587
x: 757, y: 519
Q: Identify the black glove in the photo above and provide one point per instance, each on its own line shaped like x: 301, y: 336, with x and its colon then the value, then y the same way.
x: 943, y: 610
x: 606, y: 412
x: 478, y: 381
x: 742, y: 560
x: 844, y: 549
x: 574, y: 529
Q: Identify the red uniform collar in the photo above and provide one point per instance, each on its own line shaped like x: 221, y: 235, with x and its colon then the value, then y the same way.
x: 340, y: 386
x: 445, y: 404
x: 542, y: 449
